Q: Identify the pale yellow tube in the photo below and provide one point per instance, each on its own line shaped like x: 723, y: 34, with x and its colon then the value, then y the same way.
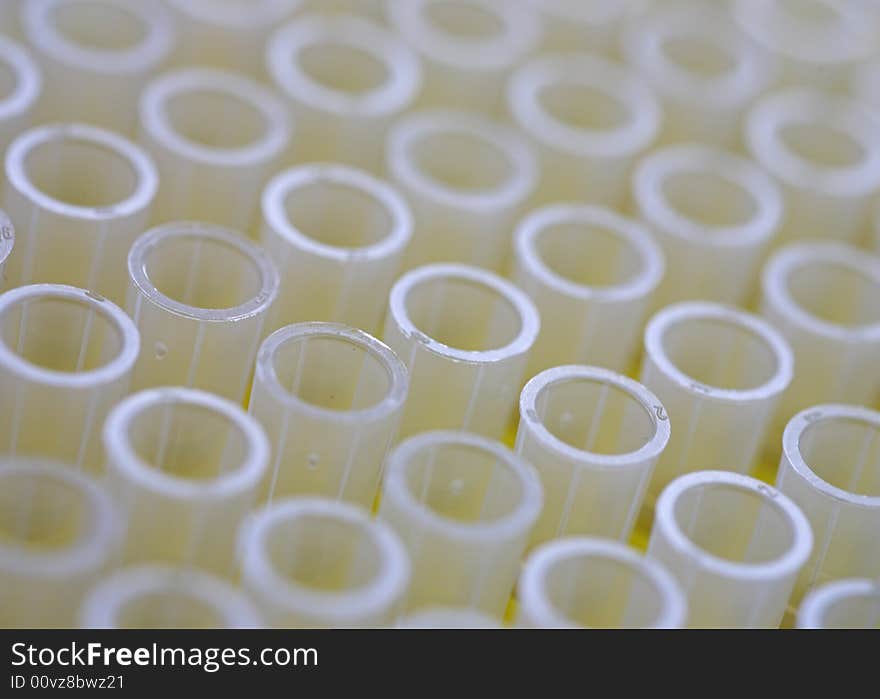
x: 21, y: 83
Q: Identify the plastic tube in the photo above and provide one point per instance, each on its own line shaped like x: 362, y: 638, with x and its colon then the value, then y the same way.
x: 338, y: 235
x: 212, y: 169
x: 735, y: 544
x: 200, y: 296
x: 824, y: 151
x: 66, y: 357
x: 831, y: 468
x: 58, y: 530
x: 20, y: 86
x: 160, y: 597
x: 448, y: 618
x: 7, y: 243
x: 825, y: 299
x: 583, y: 25
x: 465, y: 336
x: 705, y: 71
x: 592, y: 274
x: 371, y: 9
x: 80, y: 197
x: 595, y: 583
x: 463, y: 506
x: 96, y: 56
x: 590, y: 119
x: 866, y: 83
x: 330, y: 398
x: 10, y: 22
x: 229, y: 35
x: 843, y: 604
x: 346, y: 79
x: 186, y: 467
x: 468, y: 47
x: 593, y: 436
x: 314, y: 563
x: 719, y: 373
x: 715, y: 215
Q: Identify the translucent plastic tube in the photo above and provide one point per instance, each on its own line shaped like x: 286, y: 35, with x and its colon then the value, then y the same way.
x: 230, y: 34
x: 314, y: 563
x: 595, y: 583
x: 468, y: 47
x: 590, y: 119
x: 448, y: 618
x: 866, y: 83
x: 831, y: 468
x: 160, y: 597
x: 705, y: 71
x: 825, y: 299
x: 371, y: 9
x: 10, y: 22
x: 186, y: 467
x: 66, y: 357
x: 346, y: 79
x: 7, y: 243
x: 843, y: 604
x: 824, y: 151
x: 212, y: 169
x: 96, y: 56
x: 338, y: 236
x: 583, y: 25
x: 58, y: 530
x: 465, y: 336
x: 715, y: 215
x: 467, y: 179
x: 80, y: 196
x: 463, y: 506
x: 735, y: 544
x: 592, y: 274
x: 200, y: 296
x: 593, y: 436
x: 330, y: 398
x: 719, y: 373
x: 20, y: 86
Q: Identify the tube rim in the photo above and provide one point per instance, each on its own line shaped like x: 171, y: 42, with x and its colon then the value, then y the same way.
x: 817, y: 604
x: 28, y: 79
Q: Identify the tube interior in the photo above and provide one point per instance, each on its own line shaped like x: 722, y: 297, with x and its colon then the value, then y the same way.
x: 169, y: 609
x: 462, y: 161
x: 836, y: 293
x: 696, y: 55
x: 709, y: 199
x: 99, y: 25
x: 8, y: 80
x: 40, y: 514
x: 853, y: 612
x: 194, y: 115
x: 464, y: 20
x: 810, y: 11
x: 343, y: 68
x: 583, y: 107
x: 844, y: 452
x: 821, y: 145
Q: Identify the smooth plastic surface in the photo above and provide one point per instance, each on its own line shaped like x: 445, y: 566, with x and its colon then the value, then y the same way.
x: 463, y: 506
x: 201, y: 296
x: 330, y: 398
x: 465, y: 335
x: 594, y: 437
x: 866, y: 83
x: 7, y: 243
x: 66, y: 357
x: 447, y: 618
x: 735, y: 544
x: 584, y: 25
x: 10, y: 22
x: 20, y: 86
x: 843, y: 604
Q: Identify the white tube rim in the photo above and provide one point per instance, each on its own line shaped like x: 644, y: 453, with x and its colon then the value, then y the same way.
x: 155, y: 237
x: 114, y: 370
x: 28, y: 79
x: 655, y: 207
x: 123, y: 458
x: 530, y: 587
x: 275, y: 215
x: 398, y: 376
x: 785, y: 565
x: 260, y: 14
x: 637, y: 237
x: 7, y: 237
x: 698, y: 310
x: 530, y: 322
x: 811, y: 614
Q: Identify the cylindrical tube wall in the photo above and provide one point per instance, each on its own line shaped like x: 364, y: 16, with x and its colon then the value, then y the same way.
x: 735, y: 544
x: 7, y: 243
x: 330, y: 398
x: 160, y: 597
x: 866, y: 83
x: 80, y: 196
x: 212, y: 169
x: 20, y: 86
x: 595, y: 583
x: 468, y: 47
x: 314, y: 563
x: 593, y: 436
x: 592, y: 274
x: 714, y: 214
x: 96, y: 57
x: 843, y: 604
x: 58, y: 531
x: 824, y: 151
x: 10, y: 18
x: 467, y: 179
x: 447, y: 618
x: 583, y: 25
x: 465, y: 336
x: 371, y: 9
x: 338, y: 236
x: 719, y: 372
x: 186, y: 467
x: 345, y: 79
x: 200, y: 296
x: 831, y: 468
x: 463, y: 506
x: 66, y: 357
x: 589, y: 118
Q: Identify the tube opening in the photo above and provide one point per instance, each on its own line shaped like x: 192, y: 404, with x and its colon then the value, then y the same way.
x: 193, y: 115
x: 844, y: 451
x: 167, y: 609
x: 815, y: 12
x: 822, y: 146
x: 843, y: 604
x: 844, y: 295
x: 101, y: 26
x: 464, y: 20
x: 343, y: 68
x: 696, y: 55
x: 710, y: 199
x: 584, y: 107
